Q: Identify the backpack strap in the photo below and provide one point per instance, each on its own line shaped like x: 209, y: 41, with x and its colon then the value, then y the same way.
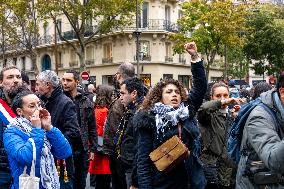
x: 272, y: 112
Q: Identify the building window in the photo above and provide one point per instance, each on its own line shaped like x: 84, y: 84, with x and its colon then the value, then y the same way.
x: 14, y: 61
x: 145, y: 51
x: 144, y: 15
x: 181, y: 58
x: 107, y: 79
x: 59, y: 59
x: 184, y: 79
x: 24, y: 63
x: 167, y: 13
x: 73, y: 61
x: 107, y: 51
x: 167, y: 76
x: 90, y: 55
x: 146, y: 78
x: 59, y: 24
x: 45, y: 37
x: 5, y: 63
x: 169, y: 56
x: 167, y: 16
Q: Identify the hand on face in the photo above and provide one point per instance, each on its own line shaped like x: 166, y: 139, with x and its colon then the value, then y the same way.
x: 232, y: 101
x: 35, y: 119
x: 45, y: 119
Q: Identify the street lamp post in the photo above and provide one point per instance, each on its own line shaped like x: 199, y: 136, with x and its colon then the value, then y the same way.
x: 137, y: 34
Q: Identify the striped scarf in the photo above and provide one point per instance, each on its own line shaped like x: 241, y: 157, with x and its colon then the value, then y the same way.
x: 48, y: 172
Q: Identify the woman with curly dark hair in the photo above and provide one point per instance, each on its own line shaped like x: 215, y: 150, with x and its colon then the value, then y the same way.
x: 165, y: 107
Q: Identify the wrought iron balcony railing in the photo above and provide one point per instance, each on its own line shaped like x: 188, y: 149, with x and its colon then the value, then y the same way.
x: 107, y: 60
x: 168, y: 59
x: 149, y: 24
x: 73, y: 63
x: 90, y: 62
x: 154, y: 24
x: 182, y: 60
x: 143, y: 58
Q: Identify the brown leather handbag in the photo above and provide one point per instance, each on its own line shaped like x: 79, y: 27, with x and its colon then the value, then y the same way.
x: 170, y: 153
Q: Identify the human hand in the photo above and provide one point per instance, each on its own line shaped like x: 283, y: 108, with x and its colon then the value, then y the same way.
x: 35, y: 119
x: 45, y: 119
x: 231, y: 101
x: 191, y: 48
x: 92, y: 156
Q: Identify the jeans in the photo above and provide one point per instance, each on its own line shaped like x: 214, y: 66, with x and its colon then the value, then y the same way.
x: 81, y: 165
x: 117, y: 175
x: 103, y: 181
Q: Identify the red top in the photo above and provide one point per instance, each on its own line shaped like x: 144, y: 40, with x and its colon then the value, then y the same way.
x: 100, y: 165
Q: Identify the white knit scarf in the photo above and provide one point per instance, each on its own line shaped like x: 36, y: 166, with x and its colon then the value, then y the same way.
x: 166, y: 113
x: 48, y: 172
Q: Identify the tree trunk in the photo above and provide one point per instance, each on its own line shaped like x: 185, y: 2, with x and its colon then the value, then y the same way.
x: 82, y: 60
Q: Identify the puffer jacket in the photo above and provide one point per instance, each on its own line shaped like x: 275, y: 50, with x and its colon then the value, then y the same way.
x: 188, y: 172
x: 214, y: 127
x: 19, y: 149
x: 261, y: 139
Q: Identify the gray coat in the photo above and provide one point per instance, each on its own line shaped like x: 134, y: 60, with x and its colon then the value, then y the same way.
x: 261, y: 137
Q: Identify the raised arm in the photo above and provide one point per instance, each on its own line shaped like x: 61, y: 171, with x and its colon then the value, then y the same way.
x: 198, y: 91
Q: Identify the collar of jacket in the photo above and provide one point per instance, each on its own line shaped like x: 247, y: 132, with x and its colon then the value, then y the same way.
x: 132, y: 106
x: 57, y: 91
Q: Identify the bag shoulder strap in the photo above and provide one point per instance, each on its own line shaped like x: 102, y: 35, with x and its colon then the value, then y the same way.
x: 34, y: 157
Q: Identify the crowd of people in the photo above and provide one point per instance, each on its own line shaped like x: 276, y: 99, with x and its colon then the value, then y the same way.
x: 110, y: 131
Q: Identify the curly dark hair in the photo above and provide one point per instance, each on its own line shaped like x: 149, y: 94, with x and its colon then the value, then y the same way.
x: 155, y: 94
x: 104, y: 96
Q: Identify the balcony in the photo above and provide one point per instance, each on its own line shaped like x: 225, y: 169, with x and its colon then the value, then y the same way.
x: 73, y: 63
x: 144, y: 58
x: 154, y: 24
x: 107, y: 60
x: 90, y: 62
x: 182, y: 60
x: 148, y: 25
x: 168, y: 59
x: 69, y: 35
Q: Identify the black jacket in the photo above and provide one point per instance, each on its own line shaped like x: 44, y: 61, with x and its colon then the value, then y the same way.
x: 186, y: 172
x: 87, y: 122
x: 63, y: 115
x: 114, y: 116
x: 5, y: 175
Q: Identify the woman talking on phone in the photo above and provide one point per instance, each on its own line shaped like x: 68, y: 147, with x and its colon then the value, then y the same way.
x: 34, y: 122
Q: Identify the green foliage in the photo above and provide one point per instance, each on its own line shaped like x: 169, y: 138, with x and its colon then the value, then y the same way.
x: 20, y: 27
x: 238, y: 65
x: 211, y: 25
x: 265, y: 42
x: 106, y: 16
